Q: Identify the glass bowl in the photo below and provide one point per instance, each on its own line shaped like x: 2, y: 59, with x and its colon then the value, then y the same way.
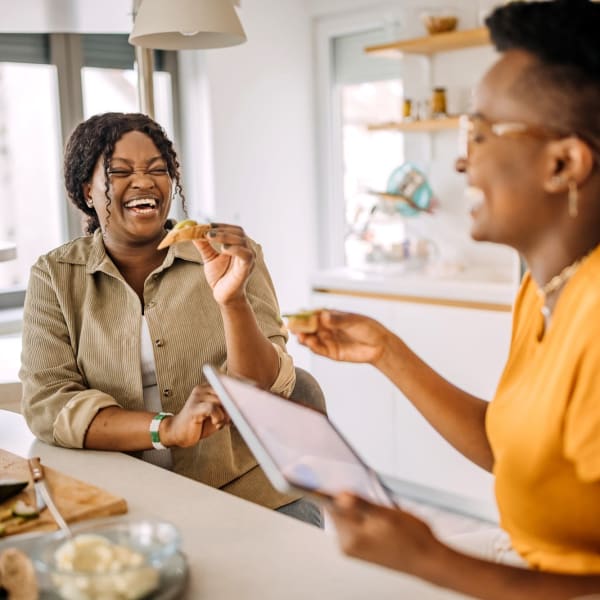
x: 107, y: 559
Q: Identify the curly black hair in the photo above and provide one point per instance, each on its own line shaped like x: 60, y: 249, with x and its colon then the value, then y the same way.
x: 97, y: 137
x: 565, y: 81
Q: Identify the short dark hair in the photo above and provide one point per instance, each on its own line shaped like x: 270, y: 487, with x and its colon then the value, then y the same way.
x: 563, y: 35
x: 97, y: 137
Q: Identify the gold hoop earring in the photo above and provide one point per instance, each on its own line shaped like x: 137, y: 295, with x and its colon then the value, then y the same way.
x: 573, y: 199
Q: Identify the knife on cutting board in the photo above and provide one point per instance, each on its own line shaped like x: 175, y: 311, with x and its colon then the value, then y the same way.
x: 43, y: 495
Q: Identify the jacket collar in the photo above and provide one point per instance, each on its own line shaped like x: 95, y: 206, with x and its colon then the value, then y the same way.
x: 91, y: 252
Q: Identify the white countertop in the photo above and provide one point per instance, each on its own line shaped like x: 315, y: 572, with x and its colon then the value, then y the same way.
x: 474, y: 285
x: 8, y: 251
x: 235, y: 549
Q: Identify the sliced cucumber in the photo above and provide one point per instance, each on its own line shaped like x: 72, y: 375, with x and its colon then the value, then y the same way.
x: 24, y: 510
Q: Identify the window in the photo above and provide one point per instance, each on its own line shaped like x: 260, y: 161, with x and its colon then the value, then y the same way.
x: 34, y: 213
x: 31, y: 211
x: 109, y: 81
x: 368, y: 159
x: 364, y: 90
x: 368, y: 90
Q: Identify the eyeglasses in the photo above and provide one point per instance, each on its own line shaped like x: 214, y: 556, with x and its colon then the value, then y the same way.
x: 475, y: 129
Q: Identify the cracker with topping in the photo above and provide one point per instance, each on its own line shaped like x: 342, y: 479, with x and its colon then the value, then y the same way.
x: 183, y: 231
x: 305, y: 321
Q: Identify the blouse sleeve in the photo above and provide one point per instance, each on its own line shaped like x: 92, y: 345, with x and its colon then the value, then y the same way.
x: 262, y: 297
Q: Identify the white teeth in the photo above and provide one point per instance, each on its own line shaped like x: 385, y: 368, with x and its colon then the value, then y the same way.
x: 141, y: 202
x: 474, y: 196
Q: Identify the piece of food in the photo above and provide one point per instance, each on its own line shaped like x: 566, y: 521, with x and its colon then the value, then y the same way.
x: 184, y: 230
x: 92, y: 567
x: 305, y: 321
x: 22, y: 509
x: 17, y: 575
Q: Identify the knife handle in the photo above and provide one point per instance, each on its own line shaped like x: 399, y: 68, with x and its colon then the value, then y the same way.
x: 36, y: 469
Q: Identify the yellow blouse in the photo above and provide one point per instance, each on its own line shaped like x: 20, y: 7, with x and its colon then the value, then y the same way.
x: 544, y: 427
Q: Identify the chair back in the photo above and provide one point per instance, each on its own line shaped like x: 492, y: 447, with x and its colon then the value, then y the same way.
x: 308, y: 391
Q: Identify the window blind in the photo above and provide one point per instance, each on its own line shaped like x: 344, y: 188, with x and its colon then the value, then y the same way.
x: 25, y: 48
x: 113, y: 51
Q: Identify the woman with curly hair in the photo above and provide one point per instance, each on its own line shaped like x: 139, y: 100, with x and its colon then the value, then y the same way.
x: 116, y: 331
x: 533, y: 153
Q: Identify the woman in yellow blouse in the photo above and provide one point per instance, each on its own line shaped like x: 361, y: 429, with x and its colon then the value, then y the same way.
x: 533, y: 152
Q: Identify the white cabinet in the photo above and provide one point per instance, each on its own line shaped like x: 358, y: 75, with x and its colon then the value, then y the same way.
x: 359, y: 400
x: 467, y: 346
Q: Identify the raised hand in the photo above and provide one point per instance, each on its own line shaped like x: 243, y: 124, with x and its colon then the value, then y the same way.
x: 201, y: 416
x: 347, y: 337
x: 226, y: 271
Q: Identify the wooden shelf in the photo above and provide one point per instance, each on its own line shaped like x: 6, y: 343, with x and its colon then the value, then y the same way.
x: 421, y: 125
x: 440, y: 42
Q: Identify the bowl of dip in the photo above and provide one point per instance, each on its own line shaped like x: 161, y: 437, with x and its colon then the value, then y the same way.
x: 106, y: 559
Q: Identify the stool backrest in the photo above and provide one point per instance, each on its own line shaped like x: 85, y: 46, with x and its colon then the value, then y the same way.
x: 308, y: 391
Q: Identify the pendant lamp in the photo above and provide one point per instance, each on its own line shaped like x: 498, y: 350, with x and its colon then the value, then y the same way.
x: 186, y: 25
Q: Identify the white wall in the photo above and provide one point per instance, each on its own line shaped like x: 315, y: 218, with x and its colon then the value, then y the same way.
x: 262, y: 138
x: 66, y: 16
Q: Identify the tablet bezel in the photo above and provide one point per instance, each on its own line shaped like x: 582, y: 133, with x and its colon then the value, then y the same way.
x: 256, y: 446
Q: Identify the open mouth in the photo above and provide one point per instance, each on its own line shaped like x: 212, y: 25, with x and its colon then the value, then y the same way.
x: 142, y: 205
x: 474, y: 197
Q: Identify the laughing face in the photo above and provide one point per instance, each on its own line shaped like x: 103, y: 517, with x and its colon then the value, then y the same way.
x: 506, y: 163
x: 139, y: 192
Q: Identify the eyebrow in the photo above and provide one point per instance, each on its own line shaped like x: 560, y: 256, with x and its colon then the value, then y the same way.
x: 131, y: 162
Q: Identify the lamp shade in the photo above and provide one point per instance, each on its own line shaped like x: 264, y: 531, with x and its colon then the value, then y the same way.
x: 186, y: 25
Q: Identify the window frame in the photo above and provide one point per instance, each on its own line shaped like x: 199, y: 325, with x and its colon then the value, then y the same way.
x: 65, y: 52
x: 330, y: 168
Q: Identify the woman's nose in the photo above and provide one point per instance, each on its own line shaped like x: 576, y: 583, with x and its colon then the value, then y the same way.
x: 461, y: 164
x: 142, y: 180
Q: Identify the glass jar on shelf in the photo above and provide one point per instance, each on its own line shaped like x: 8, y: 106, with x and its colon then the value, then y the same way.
x: 438, y: 103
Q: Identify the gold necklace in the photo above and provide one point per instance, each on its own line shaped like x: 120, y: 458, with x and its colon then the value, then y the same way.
x: 554, y: 284
x: 559, y: 280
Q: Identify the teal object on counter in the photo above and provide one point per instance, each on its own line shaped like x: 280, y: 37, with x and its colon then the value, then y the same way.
x: 409, y: 181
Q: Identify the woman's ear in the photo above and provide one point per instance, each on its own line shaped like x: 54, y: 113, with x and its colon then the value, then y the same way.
x: 87, y: 194
x: 570, y: 160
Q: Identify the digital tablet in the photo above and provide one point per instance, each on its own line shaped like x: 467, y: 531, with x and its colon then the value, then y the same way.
x: 298, y: 448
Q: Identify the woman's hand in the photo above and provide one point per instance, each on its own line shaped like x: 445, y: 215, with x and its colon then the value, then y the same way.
x: 386, y: 536
x: 226, y: 271
x: 201, y: 416
x: 347, y: 337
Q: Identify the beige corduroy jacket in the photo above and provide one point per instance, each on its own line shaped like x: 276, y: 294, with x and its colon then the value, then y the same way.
x: 82, y: 350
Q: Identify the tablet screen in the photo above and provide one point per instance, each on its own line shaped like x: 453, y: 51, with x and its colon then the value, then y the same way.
x: 302, y: 443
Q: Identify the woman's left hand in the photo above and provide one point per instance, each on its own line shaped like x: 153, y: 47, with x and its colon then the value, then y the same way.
x: 226, y: 271
x: 387, y: 536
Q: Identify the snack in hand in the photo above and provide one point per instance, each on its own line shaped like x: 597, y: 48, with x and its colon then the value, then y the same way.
x: 184, y: 230
x: 305, y: 321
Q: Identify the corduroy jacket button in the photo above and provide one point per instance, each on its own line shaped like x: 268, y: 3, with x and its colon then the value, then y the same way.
x: 167, y: 392
x: 160, y: 343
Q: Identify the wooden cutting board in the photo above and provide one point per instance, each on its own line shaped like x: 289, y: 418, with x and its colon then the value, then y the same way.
x: 75, y: 499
